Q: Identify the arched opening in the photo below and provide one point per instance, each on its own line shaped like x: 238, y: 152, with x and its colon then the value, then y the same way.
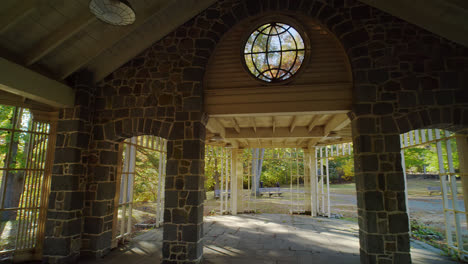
x: 433, y: 163
x: 139, y: 200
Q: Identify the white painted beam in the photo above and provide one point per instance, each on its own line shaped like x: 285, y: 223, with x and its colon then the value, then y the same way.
x: 313, y: 123
x: 24, y: 82
x: 337, y: 122
x: 215, y: 127
x: 293, y: 124
x: 273, y: 121
x: 236, y: 125
x: 280, y: 132
x: 254, y: 124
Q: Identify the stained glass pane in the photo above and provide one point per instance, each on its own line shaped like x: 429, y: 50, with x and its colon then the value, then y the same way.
x: 274, y: 52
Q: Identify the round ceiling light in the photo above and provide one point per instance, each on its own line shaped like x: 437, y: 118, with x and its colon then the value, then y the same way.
x: 114, y: 12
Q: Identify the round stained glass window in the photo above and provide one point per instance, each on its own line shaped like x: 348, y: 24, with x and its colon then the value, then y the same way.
x: 274, y: 52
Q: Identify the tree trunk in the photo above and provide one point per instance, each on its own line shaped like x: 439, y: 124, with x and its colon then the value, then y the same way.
x: 257, y: 162
x: 216, y: 176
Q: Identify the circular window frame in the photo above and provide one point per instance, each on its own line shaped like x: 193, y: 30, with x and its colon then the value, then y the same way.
x: 276, y: 19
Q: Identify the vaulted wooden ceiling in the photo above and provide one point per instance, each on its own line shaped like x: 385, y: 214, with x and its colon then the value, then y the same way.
x: 44, y: 41
x: 56, y: 37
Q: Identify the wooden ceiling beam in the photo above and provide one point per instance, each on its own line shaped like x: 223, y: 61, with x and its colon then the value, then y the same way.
x: 59, y: 36
x: 293, y: 124
x: 17, y: 79
x: 281, y: 132
x: 313, y: 122
x: 273, y: 121
x: 174, y: 14
x: 215, y: 127
x: 235, y: 124
x: 272, y: 145
x: 337, y: 122
x: 254, y: 124
x: 12, y: 16
x: 312, y: 142
x: 109, y: 39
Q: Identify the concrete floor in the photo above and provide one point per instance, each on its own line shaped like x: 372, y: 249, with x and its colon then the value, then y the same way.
x: 268, y: 238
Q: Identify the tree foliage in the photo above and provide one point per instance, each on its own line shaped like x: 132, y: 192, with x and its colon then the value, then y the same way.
x: 145, y: 188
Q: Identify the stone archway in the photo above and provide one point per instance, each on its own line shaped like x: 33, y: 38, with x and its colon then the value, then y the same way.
x: 399, y: 71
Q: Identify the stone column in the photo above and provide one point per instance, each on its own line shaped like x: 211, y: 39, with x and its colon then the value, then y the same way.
x: 68, y: 184
x: 380, y: 186
x: 307, y: 182
x: 99, y: 202
x: 462, y: 148
x: 183, y: 213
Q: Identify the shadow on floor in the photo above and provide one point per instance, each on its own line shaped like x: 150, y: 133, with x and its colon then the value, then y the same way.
x: 268, y: 238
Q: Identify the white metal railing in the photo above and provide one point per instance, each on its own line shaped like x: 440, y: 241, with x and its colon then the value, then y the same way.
x: 454, y: 211
x: 128, y: 173
x: 220, y: 159
x: 321, y: 195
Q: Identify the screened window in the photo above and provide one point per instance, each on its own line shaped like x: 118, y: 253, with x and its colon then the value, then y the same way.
x: 274, y: 52
x: 24, y: 181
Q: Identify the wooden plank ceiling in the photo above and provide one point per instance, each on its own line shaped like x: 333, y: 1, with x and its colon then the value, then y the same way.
x: 56, y: 37
x: 279, y: 130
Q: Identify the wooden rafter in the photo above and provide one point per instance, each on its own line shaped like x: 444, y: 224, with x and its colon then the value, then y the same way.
x: 293, y: 124
x: 215, y: 126
x: 17, y: 79
x: 281, y: 132
x: 59, y: 36
x: 254, y: 124
x: 273, y: 121
x: 313, y: 122
x: 337, y: 122
x: 10, y: 17
x: 235, y: 124
x: 109, y: 39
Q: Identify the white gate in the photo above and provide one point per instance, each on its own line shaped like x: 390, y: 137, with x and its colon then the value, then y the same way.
x: 130, y: 148
x: 454, y: 208
x: 321, y: 185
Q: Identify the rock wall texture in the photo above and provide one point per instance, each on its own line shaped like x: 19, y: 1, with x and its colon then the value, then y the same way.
x: 404, y: 78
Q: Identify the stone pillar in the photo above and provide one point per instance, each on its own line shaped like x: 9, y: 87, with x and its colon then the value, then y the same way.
x: 183, y: 213
x: 307, y: 182
x: 68, y: 184
x: 99, y: 202
x: 462, y: 148
x: 380, y: 186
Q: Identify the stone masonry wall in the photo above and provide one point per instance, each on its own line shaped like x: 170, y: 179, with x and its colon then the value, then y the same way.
x: 404, y: 78
x: 64, y: 224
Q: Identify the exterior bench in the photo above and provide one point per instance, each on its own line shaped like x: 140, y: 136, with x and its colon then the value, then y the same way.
x: 271, y: 191
x: 217, y: 194
x: 435, y: 189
